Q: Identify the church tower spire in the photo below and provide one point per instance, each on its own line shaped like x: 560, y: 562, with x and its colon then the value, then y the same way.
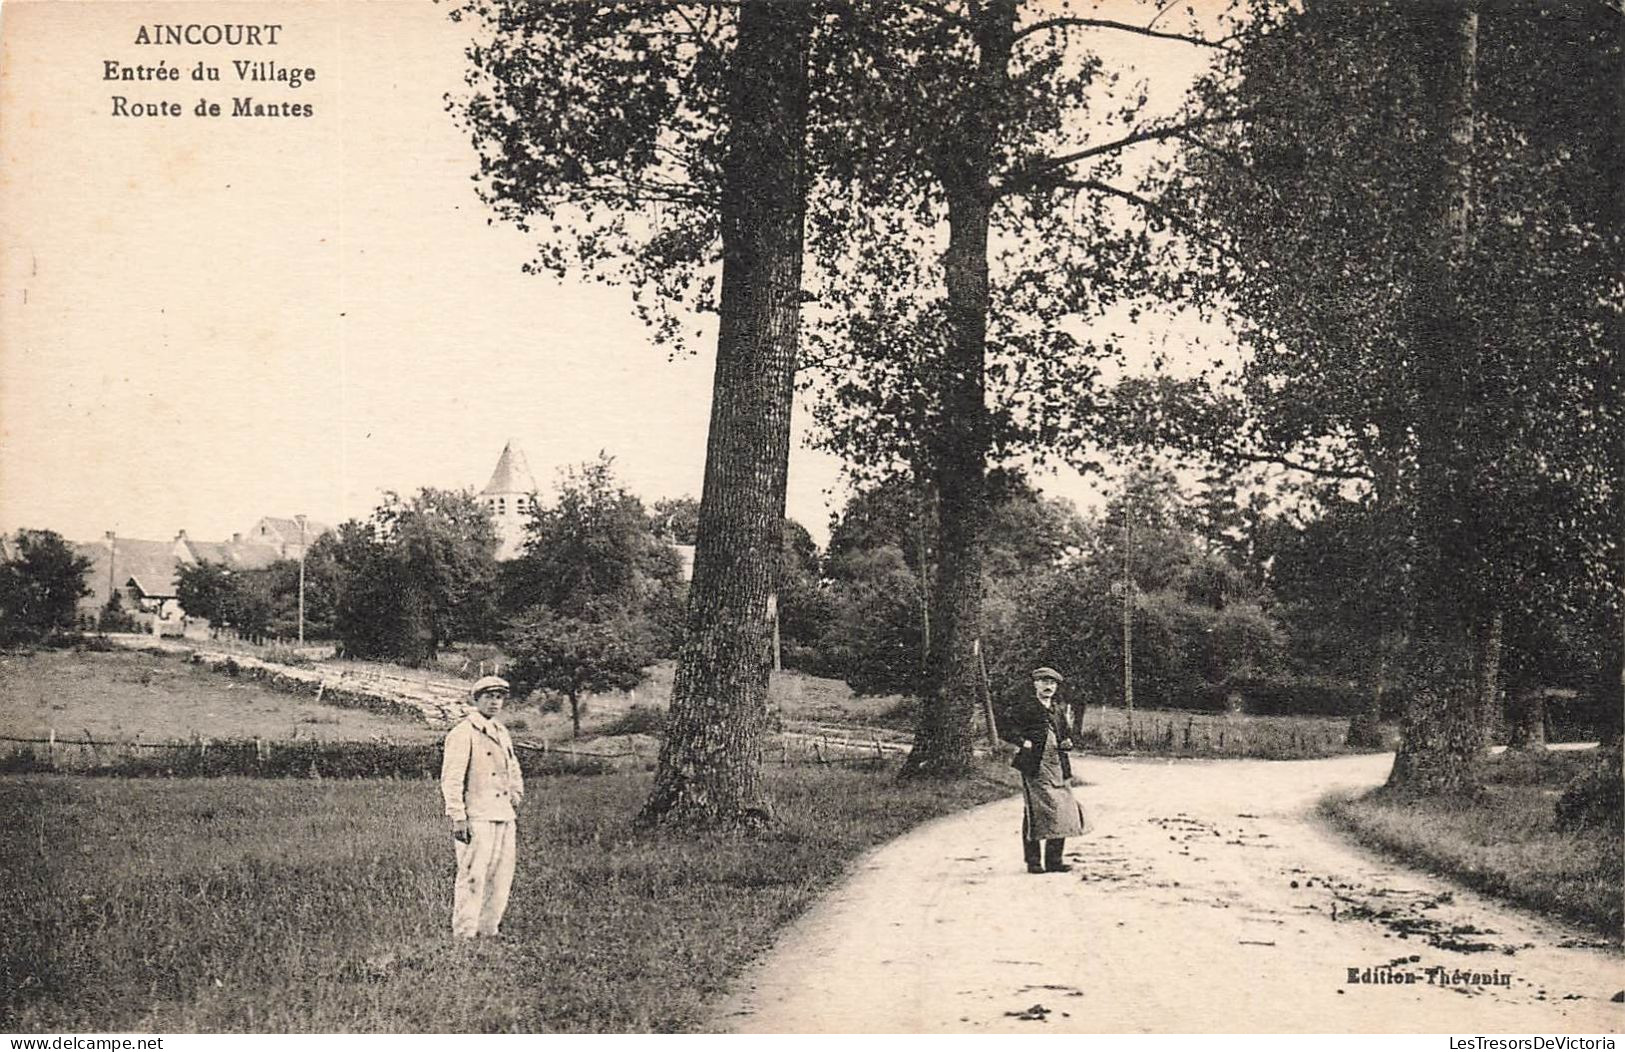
x: 509, y: 496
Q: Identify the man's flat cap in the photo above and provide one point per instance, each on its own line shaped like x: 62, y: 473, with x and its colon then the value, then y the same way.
x: 487, y: 684
x: 1045, y: 672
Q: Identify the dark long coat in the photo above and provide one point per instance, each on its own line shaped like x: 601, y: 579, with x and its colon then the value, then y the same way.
x: 1029, y: 722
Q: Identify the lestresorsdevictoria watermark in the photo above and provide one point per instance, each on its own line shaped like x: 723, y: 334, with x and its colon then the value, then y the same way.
x: 1555, y: 1043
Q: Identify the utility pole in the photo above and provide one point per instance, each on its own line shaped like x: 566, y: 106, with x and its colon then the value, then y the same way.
x: 112, y: 556
x: 1128, y: 610
x: 987, y: 696
x: 301, y: 520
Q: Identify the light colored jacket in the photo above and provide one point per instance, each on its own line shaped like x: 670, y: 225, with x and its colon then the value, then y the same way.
x: 479, y: 774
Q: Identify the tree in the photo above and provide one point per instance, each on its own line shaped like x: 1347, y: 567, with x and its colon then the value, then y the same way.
x: 651, y: 147
x: 594, y: 543
x: 676, y: 519
x: 114, y: 618
x: 936, y: 113
x: 806, y: 607
x: 421, y: 573
x: 882, y: 557
x: 443, y: 545
x: 710, y: 762
x: 594, y: 550
x: 205, y: 590
x: 41, y: 582
x: 599, y: 647
x: 1405, y: 272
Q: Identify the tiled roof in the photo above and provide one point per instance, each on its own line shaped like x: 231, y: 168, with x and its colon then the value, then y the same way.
x: 235, y: 555
x: 151, y: 563
x: 274, y: 530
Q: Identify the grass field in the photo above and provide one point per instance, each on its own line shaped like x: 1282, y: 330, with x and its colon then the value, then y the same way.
x: 122, y: 694
x: 1506, y: 842
x: 795, y: 698
x: 240, y: 905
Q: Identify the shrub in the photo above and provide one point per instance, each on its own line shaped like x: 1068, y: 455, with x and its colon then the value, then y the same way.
x: 115, y: 618
x: 639, y: 719
x: 1596, y: 799
x: 282, y: 654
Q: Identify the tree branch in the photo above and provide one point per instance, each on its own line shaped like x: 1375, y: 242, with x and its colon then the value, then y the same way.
x: 942, y: 11
x: 1229, y: 156
x: 1145, y: 203
x: 1106, y: 23
x: 1033, y: 172
x: 1346, y: 474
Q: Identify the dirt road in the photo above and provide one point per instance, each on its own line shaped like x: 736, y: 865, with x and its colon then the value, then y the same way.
x: 1208, y: 899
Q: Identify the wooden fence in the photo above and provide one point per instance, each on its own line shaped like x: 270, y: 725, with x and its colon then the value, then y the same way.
x: 299, y: 758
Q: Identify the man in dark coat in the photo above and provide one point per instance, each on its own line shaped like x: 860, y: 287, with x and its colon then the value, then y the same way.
x: 1039, y: 731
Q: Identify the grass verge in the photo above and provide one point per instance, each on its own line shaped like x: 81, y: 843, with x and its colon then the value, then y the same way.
x: 235, y: 904
x: 1505, y: 842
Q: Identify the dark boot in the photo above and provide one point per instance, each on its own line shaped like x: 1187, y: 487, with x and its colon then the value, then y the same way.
x: 1030, y: 852
x: 1053, y: 850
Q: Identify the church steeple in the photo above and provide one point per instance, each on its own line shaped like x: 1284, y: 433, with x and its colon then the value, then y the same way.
x: 509, y: 497
x: 512, y: 474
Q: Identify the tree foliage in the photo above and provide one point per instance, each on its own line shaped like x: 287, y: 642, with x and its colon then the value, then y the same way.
x: 987, y: 210
x: 597, y: 594
x: 1416, y: 244
x: 419, y: 574
x: 598, y: 647
x: 41, y: 582
x: 593, y: 544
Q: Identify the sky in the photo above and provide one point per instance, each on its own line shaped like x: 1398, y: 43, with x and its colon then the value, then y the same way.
x: 208, y: 320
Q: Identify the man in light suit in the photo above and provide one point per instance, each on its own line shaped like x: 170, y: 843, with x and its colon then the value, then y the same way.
x: 481, y: 784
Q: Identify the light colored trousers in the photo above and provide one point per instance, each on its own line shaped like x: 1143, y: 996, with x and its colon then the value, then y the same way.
x: 484, y: 875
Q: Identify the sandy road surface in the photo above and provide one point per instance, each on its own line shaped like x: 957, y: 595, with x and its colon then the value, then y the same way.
x: 1207, y: 899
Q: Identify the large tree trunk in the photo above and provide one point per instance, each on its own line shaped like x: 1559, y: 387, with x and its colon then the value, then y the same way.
x: 1528, y: 717
x: 1488, y: 670
x: 1444, y: 733
x: 1365, y: 727
x: 1389, y: 615
x: 710, y: 764
x: 946, y: 731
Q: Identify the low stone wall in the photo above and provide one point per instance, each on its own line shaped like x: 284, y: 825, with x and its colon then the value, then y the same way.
x: 438, y: 709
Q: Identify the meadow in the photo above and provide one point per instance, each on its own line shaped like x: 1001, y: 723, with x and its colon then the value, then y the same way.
x: 121, y: 694
x: 1505, y: 841
x: 140, y: 685
x: 236, y: 904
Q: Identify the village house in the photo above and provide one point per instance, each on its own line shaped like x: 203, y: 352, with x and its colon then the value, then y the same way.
x: 146, y: 574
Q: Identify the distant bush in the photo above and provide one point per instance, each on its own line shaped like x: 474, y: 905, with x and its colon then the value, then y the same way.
x: 473, y: 660
x: 114, y: 618
x: 1595, y: 799
x: 283, y: 654
x: 639, y: 719
x: 1295, y: 697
